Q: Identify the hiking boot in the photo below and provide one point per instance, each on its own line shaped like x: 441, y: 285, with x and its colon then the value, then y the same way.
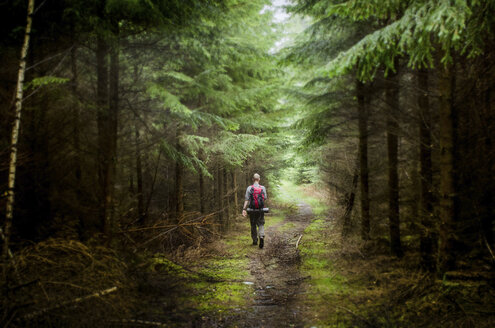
x: 255, y: 242
x: 262, y: 242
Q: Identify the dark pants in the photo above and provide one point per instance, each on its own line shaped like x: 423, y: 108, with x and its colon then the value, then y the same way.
x: 257, y: 220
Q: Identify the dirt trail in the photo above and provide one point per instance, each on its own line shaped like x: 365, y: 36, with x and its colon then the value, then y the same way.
x: 277, y: 280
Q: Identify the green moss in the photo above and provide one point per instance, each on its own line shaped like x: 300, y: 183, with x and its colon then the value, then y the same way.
x: 287, y: 226
x: 315, y: 227
x: 218, y: 297
x: 228, y: 272
x: 231, y: 268
x: 272, y: 220
x: 317, y: 263
x: 159, y: 263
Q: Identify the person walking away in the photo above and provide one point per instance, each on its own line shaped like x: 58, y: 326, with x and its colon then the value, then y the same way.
x: 255, y: 198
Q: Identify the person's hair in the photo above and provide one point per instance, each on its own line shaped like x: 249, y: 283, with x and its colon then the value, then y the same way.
x: 256, y: 177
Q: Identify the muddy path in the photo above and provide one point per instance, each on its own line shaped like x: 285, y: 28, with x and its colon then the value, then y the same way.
x: 246, y: 286
x: 278, y: 284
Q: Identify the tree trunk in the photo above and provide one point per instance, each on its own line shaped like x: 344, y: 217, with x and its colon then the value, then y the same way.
x: 139, y: 179
x: 213, y: 206
x: 76, y: 137
x: 107, y: 99
x: 220, y: 197
x: 392, y: 100
x: 447, y: 193
x: 427, y: 238
x: 350, y: 198
x: 103, y: 129
x: 76, y: 131
x: 179, y: 192
x: 226, y: 195
x: 113, y: 124
x: 9, y: 212
x: 179, y: 185
x: 363, y: 103
x: 488, y: 198
x: 234, y: 187
x: 201, y: 192
x: 152, y: 187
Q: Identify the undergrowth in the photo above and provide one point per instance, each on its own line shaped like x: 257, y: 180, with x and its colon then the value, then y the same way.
x: 352, y: 284
x: 209, y: 282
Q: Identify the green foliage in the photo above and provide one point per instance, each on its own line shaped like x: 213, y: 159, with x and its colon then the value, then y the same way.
x: 169, y: 100
x: 219, y: 77
x: 236, y: 148
x: 44, y: 81
x: 187, y: 157
x: 410, y: 28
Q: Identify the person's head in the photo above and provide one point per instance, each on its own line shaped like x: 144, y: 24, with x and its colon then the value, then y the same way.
x: 256, y: 177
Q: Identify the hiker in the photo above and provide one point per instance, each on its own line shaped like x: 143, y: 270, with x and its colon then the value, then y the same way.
x: 255, y: 198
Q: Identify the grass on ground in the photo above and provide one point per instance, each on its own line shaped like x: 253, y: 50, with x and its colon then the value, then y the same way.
x: 352, y: 284
x: 228, y: 265
x: 331, y: 292
x: 214, y: 280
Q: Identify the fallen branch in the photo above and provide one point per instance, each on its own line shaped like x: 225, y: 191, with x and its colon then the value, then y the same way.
x: 11, y: 289
x: 164, y: 227
x: 198, y: 221
x: 195, y: 222
x: 140, y: 322
x: 298, y: 240
x: 363, y: 319
x: 489, y: 248
x: 71, y: 302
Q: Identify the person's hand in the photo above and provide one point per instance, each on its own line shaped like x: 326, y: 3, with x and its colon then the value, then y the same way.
x: 244, y: 213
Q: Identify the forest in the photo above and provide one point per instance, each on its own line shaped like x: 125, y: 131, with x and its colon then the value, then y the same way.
x: 130, y: 130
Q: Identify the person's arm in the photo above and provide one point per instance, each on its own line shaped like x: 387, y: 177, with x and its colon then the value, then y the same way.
x: 244, y: 213
x: 246, y: 202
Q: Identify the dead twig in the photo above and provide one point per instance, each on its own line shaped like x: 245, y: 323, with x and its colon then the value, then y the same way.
x: 140, y: 322
x: 199, y: 222
x: 11, y: 289
x: 360, y: 317
x: 489, y: 248
x: 71, y: 302
x: 298, y: 240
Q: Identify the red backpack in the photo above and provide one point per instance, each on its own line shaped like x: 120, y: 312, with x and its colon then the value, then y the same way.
x: 257, y: 198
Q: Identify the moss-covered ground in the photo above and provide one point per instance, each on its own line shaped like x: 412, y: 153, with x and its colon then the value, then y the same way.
x: 331, y: 291
x: 230, y: 287
x: 325, y: 282
x: 227, y: 287
x: 212, y: 283
x: 351, y: 284
x: 344, y: 282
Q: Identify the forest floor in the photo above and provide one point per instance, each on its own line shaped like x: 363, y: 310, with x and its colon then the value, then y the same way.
x: 278, y: 281
x: 324, y: 282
